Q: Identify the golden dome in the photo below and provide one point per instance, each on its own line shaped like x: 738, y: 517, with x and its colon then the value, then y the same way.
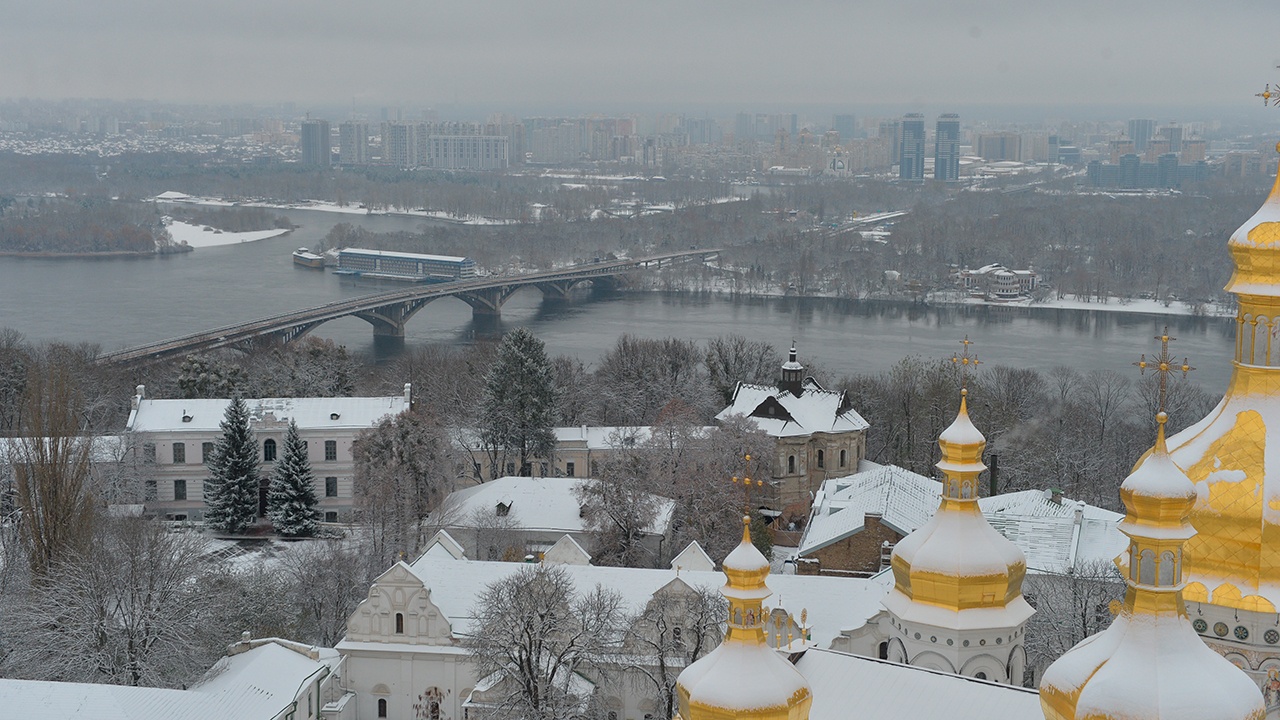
x: 1234, y: 559
x: 957, y: 561
x: 744, y: 677
x: 1150, y: 664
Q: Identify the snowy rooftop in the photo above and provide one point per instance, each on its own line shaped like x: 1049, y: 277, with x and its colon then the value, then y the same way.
x: 1048, y: 532
x: 816, y: 410
x: 833, y: 603
x: 401, y: 255
x: 882, y: 690
x: 310, y: 413
x: 258, y: 684
x: 540, y: 504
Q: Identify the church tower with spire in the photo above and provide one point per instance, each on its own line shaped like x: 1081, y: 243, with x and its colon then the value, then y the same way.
x: 1149, y: 664
x: 957, y: 603
x: 744, y: 678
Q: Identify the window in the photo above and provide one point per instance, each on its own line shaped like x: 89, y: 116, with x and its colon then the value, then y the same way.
x: 179, y: 489
x: 569, y: 469
x: 149, y: 452
x: 330, y: 450
x: 676, y: 638
x: 382, y: 707
x: 981, y: 675
x: 543, y: 468
x: 206, y: 452
x: 844, y: 458
x: 150, y: 493
x: 511, y: 468
x: 331, y: 487
x: 179, y: 453
x: 399, y: 623
x: 268, y: 450
x: 822, y: 459
x: 331, y: 516
x: 791, y: 464
x: 502, y: 509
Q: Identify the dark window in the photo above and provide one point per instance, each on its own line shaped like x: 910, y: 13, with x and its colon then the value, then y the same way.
x: 502, y: 509
x: 331, y: 487
x: 149, y: 452
x: 330, y: 450
x: 511, y: 468
x: 791, y: 464
x: 543, y: 469
x: 884, y: 651
x: 150, y: 493
x: 844, y: 458
x: 595, y: 468
x: 382, y: 707
x: 676, y: 638
x: 399, y: 623
x: 822, y: 459
x: 569, y: 469
x: 206, y: 452
x: 179, y: 453
x: 269, y: 450
x: 330, y: 516
x: 981, y: 676
x: 179, y: 489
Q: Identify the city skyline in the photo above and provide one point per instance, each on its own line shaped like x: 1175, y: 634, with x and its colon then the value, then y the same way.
x: 921, y: 53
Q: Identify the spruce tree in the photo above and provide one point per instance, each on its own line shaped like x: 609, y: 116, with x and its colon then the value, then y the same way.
x: 231, y: 492
x: 292, y: 499
x: 519, y: 402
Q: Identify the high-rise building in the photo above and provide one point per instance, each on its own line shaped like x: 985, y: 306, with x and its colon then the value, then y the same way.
x: 1140, y: 132
x: 399, y: 145
x: 467, y: 152
x: 353, y: 143
x: 1120, y: 148
x: 314, y: 143
x: 844, y: 124
x: 946, y: 148
x: 1193, y: 150
x: 890, y: 134
x: 1000, y: 146
x: 1173, y: 133
x: 911, y: 160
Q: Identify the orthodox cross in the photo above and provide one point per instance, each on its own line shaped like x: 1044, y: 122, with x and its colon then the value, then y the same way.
x: 1163, y: 364
x: 747, y: 484
x: 965, y: 362
x: 1269, y: 96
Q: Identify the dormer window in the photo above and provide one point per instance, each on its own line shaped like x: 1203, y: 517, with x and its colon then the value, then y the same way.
x: 502, y: 509
x: 185, y: 417
x: 334, y: 416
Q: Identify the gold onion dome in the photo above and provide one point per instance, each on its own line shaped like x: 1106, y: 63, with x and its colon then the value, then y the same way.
x: 1149, y: 663
x: 1234, y: 559
x: 744, y: 677
x: 956, y: 561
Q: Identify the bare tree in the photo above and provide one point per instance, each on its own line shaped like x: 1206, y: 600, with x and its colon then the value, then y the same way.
x: 618, y: 510
x: 328, y: 579
x: 679, y: 625
x: 733, y: 358
x: 1069, y: 608
x: 534, y: 630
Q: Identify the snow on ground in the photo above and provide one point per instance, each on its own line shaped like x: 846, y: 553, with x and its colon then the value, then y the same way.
x: 1072, y: 302
x: 201, y: 236
x: 331, y: 207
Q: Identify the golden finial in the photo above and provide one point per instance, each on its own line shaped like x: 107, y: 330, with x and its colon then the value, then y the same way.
x: 747, y: 484
x: 965, y: 361
x: 1163, y: 364
x: 1269, y: 96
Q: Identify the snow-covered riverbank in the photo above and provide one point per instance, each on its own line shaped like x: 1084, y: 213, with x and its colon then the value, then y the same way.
x: 203, y: 236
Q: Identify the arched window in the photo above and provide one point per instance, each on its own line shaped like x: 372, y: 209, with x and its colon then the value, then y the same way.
x: 791, y: 464
x: 434, y: 712
x: 399, y: 623
x: 268, y: 450
x: 883, y: 653
x: 844, y: 458
x: 822, y: 459
x: 382, y: 707
x: 981, y: 675
x: 676, y: 638
x: 1147, y: 567
x: 1167, y: 567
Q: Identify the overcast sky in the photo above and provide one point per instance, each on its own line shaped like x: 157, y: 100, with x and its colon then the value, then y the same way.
x: 682, y: 54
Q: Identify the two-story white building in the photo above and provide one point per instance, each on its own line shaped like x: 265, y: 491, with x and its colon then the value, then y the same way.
x: 175, y: 439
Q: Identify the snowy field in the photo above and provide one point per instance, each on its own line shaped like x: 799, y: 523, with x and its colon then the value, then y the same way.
x: 331, y: 207
x: 201, y: 236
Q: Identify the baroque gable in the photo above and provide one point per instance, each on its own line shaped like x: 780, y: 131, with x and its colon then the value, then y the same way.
x: 399, y: 610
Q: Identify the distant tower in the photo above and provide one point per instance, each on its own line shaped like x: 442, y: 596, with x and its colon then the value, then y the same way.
x: 314, y: 142
x: 844, y: 124
x: 957, y: 602
x: 1149, y: 664
x: 353, y: 143
x: 744, y: 677
x: 792, y: 375
x: 911, y: 162
x: 1140, y: 132
x: 946, y: 164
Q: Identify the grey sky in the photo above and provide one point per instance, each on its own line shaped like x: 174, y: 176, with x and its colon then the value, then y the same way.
x: 598, y: 53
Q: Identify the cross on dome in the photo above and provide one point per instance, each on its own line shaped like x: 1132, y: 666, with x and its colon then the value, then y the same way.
x: 1162, y: 365
x: 965, y: 361
x: 747, y: 484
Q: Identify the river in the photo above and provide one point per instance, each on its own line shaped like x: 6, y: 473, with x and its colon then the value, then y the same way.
x: 124, y: 302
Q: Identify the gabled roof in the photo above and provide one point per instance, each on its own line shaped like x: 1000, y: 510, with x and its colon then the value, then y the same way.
x: 310, y: 413
x: 566, y: 551
x: 693, y: 557
x: 539, y: 504
x: 1049, y: 533
x: 815, y: 410
x: 442, y: 544
x: 882, y: 690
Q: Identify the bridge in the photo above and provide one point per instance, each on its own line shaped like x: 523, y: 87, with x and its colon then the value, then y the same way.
x: 389, y: 311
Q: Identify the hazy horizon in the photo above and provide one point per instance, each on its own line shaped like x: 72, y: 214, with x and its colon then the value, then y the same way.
x: 712, y: 57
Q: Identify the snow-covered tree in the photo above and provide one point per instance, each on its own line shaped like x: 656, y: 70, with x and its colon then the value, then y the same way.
x: 679, y: 625
x: 519, y: 405
x: 1069, y: 608
x: 291, y: 501
x: 231, y: 491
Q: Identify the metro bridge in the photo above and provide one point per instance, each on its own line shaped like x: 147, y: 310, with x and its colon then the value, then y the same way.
x: 389, y: 311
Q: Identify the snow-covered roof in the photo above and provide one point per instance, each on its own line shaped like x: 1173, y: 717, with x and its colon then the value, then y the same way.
x: 815, y: 410
x: 591, y: 437
x: 833, y: 603
x: 258, y: 684
x: 693, y: 557
x: 309, y: 413
x: 1048, y: 532
x: 400, y: 255
x: 567, y: 551
x: 539, y: 504
x: 882, y: 690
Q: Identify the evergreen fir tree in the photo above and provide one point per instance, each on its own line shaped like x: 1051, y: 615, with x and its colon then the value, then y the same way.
x: 231, y: 492
x: 292, y: 499
x: 519, y: 403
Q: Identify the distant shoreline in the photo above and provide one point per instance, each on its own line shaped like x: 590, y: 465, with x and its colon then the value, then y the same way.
x: 105, y: 255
